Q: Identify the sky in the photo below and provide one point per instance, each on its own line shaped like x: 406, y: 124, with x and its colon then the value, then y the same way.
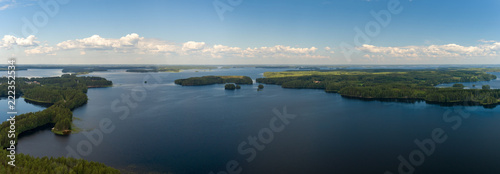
x: 250, y: 31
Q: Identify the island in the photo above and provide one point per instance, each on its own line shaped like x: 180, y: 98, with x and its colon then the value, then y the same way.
x: 229, y: 87
x: 458, y: 85
x: 210, y: 80
x: 162, y: 69
x: 82, y: 70
x: 399, y: 84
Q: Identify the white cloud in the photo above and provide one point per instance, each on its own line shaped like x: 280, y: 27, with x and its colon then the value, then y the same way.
x: 133, y: 43
x: 96, y: 42
x: 192, y: 45
x: 4, y: 7
x: 130, y: 39
x: 153, y: 46
x: 8, y: 41
x: 280, y: 51
x: 41, y: 50
x: 5, y: 4
x: 489, y: 48
x: 217, y: 51
x: 93, y: 42
x: 328, y: 49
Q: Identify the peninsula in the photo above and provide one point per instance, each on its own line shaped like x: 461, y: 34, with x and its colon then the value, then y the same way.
x: 394, y: 84
x: 63, y: 94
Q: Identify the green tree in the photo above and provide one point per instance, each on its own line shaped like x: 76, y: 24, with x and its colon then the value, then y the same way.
x: 229, y: 87
x: 458, y: 85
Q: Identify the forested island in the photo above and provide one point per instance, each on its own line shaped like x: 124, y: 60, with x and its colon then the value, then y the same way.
x: 231, y: 87
x: 393, y: 84
x: 64, y: 94
x: 210, y: 80
x: 163, y: 69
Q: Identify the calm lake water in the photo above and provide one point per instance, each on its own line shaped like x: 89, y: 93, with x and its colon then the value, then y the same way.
x: 21, y: 106
x: 36, y: 73
x: 178, y: 129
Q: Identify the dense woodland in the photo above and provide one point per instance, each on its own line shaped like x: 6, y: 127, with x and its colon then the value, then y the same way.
x: 48, y: 165
x: 64, y: 93
x: 210, y: 80
x: 393, y: 84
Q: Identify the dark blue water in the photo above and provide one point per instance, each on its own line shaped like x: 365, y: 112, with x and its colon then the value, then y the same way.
x: 178, y: 129
x: 21, y: 108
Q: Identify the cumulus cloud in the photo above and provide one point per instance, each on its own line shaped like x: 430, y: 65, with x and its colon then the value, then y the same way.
x: 218, y: 51
x: 8, y: 41
x: 99, y: 43
x: 192, y: 45
x: 41, y: 50
x: 133, y: 43
x: 130, y: 39
x: 488, y: 48
x: 280, y: 51
x: 152, y: 46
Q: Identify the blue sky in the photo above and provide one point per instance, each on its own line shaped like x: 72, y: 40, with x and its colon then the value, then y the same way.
x: 254, y: 32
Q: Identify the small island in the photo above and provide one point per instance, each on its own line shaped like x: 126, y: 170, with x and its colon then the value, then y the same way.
x: 210, y: 80
x: 232, y: 87
x: 458, y: 85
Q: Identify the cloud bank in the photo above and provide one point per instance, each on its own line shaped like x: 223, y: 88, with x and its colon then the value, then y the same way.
x: 486, y: 49
x: 134, y: 45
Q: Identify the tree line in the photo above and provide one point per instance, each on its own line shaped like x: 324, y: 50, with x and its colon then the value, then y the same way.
x: 48, y: 165
x: 405, y: 84
x: 210, y: 80
x: 64, y: 94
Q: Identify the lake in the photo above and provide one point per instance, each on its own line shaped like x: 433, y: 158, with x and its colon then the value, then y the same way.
x: 36, y: 73
x: 163, y: 127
